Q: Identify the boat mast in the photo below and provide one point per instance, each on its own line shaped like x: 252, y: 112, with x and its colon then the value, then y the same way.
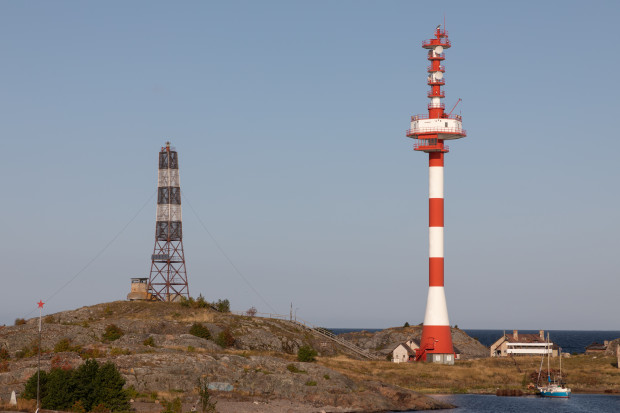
x: 548, y: 361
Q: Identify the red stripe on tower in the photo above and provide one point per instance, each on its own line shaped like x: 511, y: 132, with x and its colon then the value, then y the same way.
x: 430, y: 131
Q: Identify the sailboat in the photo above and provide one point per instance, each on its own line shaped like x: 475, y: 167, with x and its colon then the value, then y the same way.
x: 556, y: 387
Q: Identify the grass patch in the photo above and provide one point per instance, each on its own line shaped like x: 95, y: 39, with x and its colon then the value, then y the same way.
x: 117, y: 351
x: 582, y: 373
x: 293, y: 369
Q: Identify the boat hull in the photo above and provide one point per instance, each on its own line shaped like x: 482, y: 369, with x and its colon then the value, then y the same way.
x: 554, y: 392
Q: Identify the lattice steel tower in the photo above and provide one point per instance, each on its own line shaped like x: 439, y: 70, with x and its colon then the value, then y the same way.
x: 168, y: 279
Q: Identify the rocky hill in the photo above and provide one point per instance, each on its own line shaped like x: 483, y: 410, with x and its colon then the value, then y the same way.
x: 612, y: 347
x: 384, y: 341
x: 245, y: 359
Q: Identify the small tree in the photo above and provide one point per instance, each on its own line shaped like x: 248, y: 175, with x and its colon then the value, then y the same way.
x: 207, y: 405
x: 87, y: 387
x: 406, y: 324
x: 252, y: 311
x: 223, y: 306
x: 199, y: 330
x: 306, y: 354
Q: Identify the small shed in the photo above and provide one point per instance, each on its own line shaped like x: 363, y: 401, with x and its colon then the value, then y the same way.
x: 405, y: 352
x: 139, y: 290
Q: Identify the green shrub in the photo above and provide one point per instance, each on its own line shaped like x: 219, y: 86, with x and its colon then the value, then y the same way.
x: 91, y: 387
x: 112, y: 333
x: 30, y: 350
x: 225, y: 339
x: 326, y: 376
x: 201, y: 302
x: 311, y: 383
x: 406, y: 324
x: 199, y: 330
x: 78, y: 407
x: 20, y: 321
x: 4, y: 354
x: 49, y: 319
x: 223, y: 306
x: 117, y: 351
x: 293, y: 369
x: 174, y: 406
x: 92, y: 353
x: 149, y: 342
x: 306, y: 354
x: 64, y: 344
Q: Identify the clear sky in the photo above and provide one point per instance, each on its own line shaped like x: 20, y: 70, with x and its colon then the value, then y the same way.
x: 289, y: 118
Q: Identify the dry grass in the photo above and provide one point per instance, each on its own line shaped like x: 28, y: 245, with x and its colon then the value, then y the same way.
x: 23, y: 405
x: 582, y: 373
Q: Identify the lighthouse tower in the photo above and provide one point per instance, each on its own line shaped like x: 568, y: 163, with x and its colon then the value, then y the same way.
x: 430, y: 131
x: 168, y: 280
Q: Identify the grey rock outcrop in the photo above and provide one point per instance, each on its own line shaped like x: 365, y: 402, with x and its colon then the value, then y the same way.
x: 385, y: 341
x: 156, y: 354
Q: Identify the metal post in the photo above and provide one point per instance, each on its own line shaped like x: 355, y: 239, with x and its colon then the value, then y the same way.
x: 40, y: 303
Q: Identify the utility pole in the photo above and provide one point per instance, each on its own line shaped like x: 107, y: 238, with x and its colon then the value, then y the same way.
x: 40, y: 303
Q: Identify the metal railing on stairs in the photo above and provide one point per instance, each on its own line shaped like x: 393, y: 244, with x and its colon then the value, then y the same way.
x: 323, y: 332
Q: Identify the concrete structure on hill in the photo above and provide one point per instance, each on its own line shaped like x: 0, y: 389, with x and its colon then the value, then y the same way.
x: 139, y: 290
x: 597, y: 348
x: 405, y: 352
x: 523, y: 345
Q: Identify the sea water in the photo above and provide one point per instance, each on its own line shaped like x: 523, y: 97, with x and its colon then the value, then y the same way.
x: 577, y: 403
x: 571, y: 341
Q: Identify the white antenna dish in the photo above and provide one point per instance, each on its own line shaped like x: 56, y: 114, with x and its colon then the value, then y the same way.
x: 438, y: 75
x: 439, y: 49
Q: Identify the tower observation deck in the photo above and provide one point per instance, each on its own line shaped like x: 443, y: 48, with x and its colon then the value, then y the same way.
x: 430, y: 131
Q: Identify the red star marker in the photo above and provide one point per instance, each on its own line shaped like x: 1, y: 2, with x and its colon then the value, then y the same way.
x: 40, y: 303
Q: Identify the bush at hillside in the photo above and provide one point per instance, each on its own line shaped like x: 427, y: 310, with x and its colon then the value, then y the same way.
x: 90, y: 386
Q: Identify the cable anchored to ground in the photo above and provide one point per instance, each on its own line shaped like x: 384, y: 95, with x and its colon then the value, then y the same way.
x: 89, y: 263
x: 232, y: 264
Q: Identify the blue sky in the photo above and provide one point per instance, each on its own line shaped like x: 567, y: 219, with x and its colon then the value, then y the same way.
x: 290, y: 118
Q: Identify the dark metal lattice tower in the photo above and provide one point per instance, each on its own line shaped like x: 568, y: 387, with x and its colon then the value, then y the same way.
x: 168, y: 279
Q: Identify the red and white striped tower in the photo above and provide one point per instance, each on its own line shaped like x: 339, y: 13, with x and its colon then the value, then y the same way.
x: 430, y: 131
